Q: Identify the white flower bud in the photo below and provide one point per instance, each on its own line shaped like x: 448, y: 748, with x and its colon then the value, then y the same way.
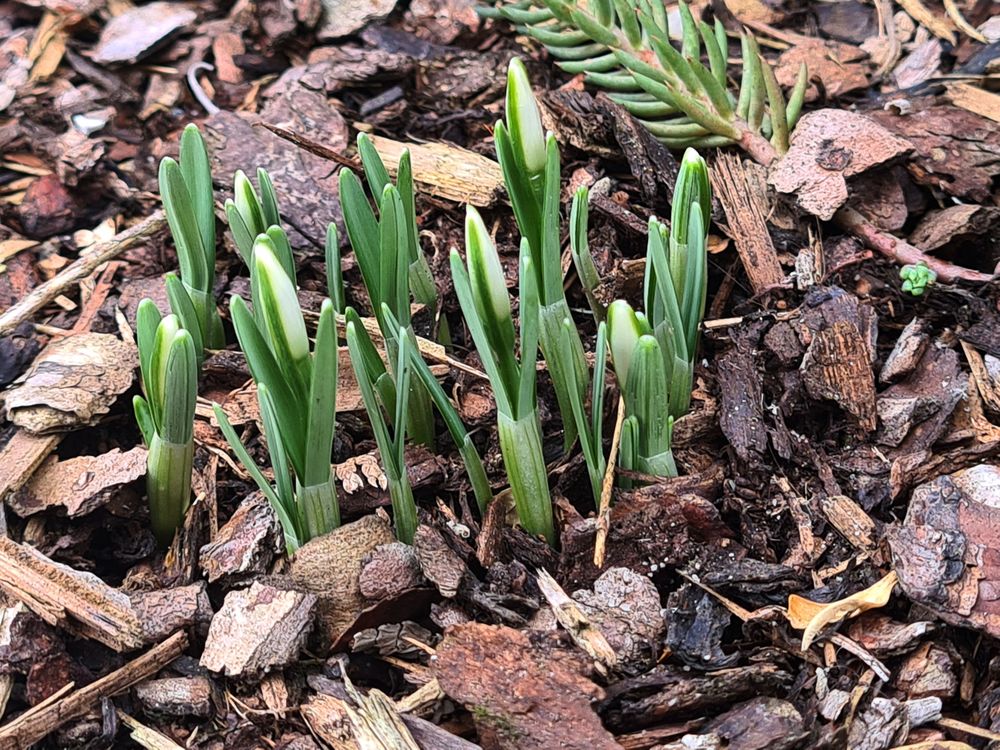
x: 281, y: 305
x: 523, y: 118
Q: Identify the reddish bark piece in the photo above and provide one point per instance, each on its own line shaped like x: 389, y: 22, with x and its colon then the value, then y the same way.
x: 138, y: 31
x: 841, y: 68
x: 257, y: 630
x: 79, y: 485
x: 947, y: 552
x: 828, y: 146
x: 961, y: 166
x: 523, y: 693
x: 48, y: 676
x: 25, y: 639
x: 48, y: 208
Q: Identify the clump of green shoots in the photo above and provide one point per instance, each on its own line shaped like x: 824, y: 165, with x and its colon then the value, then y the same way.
x: 482, y: 295
x: 296, y: 391
x: 654, y: 351
x: 186, y: 189
x: 529, y: 160
x: 251, y: 214
x: 386, y: 401
x: 385, y: 249
x: 388, y: 253
x: 169, y: 367
x: 531, y: 169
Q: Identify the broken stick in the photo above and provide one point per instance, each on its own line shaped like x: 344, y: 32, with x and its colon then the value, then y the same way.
x: 79, y: 269
x: 35, y: 723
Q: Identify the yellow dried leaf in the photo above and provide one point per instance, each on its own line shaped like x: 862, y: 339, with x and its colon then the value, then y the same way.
x: 811, y: 617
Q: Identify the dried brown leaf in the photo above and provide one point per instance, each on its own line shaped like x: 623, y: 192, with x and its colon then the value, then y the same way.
x: 811, y: 617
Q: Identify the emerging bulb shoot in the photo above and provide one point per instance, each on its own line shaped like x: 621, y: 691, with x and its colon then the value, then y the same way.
x: 692, y: 188
x: 281, y: 304
x: 485, y: 272
x: 624, y: 331
x: 523, y: 119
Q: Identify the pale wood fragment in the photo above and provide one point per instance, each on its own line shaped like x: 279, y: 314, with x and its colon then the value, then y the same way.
x: 79, y: 602
x: 146, y: 737
x: 975, y: 100
x: 743, y: 195
x: 446, y: 171
x: 569, y: 614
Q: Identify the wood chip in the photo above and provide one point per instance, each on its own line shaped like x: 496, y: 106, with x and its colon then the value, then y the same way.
x: 245, y: 545
x: 850, y: 520
x: 906, y: 352
x: 21, y: 456
x: 742, y: 191
x: 72, y: 383
x: 138, y: 31
x: 177, y: 696
x: 946, y: 551
x: 828, y: 146
x: 330, y: 567
x: 78, y: 486
x: 79, y: 602
x: 257, y: 630
x: 837, y: 367
x: 447, y: 171
x: 524, y: 695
